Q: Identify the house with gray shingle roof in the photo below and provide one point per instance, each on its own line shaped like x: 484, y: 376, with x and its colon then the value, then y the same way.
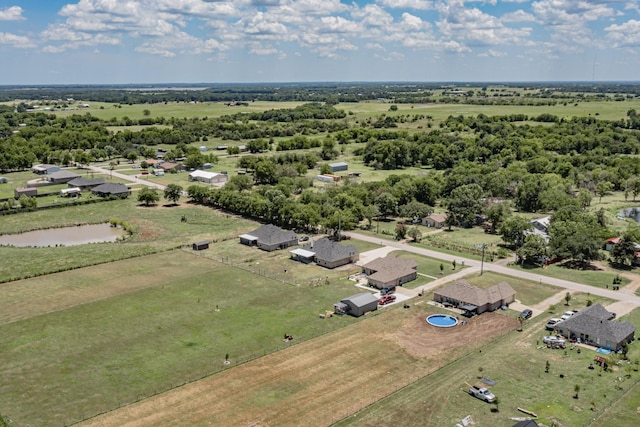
x: 390, y: 271
x: 269, y: 238
x: 594, y: 326
x: 327, y: 253
x: 463, y: 295
x: 111, y: 189
x: 85, y: 183
x: 61, y: 176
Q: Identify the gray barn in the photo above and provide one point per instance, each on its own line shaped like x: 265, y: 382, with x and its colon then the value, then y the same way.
x: 357, y: 305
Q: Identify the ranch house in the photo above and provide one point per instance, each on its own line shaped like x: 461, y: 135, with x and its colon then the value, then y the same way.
x: 390, y: 271
x: 269, y: 238
x: 326, y: 253
x: 473, y: 300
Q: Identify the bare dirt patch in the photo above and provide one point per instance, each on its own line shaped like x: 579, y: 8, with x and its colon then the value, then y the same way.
x: 420, y: 339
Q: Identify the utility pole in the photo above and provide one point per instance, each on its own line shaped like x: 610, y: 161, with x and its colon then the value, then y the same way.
x: 482, y: 262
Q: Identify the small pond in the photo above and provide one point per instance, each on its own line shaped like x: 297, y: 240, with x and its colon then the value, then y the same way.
x: 633, y: 213
x: 65, y: 236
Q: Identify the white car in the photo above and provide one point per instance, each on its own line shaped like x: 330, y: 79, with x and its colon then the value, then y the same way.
x: 551, y: 324
x: 568, y: 314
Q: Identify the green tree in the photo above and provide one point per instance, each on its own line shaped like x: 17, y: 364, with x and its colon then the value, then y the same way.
x: 172, y: 192
x: 415, y: 210
x: 194, y: 161
x: 624, y: 252
x: 567, y: 298
x: 463, y: 205
x: 496, y: 213
x: 514, y: 229
x: 148, y: 196
x: 603, y: 188
x: 584, y: 198
x: 415, y: 234
x: 387, y: 204
x: 401, y: 231
x: 325, y: 169
x: 534, y: 248
x: 575, y: 235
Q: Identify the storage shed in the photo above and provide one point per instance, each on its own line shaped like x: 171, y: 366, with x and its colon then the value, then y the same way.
x: 26, y: 191
x: 338, y: 166
x: 200, y: 246
x: 357, y: 305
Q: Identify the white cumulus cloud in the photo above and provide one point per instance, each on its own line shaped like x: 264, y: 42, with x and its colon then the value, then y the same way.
x: 13, y: 13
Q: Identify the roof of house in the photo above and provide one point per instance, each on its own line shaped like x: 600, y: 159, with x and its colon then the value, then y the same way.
x: 614, y: 240
x: 390, y: 267
x: 462, y: 290
x: 43, y: 167
x: 270, y: 234
x: 361, y: 299
x: 63, y: 174
x: 595, y: 320
x: 84, y: 182
x: 111, y: 188
x: 203, y: 174
x: 168, y: 165
x: 328, y: 250
x: 437, y: 217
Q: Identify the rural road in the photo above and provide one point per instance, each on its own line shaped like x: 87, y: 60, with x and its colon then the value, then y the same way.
x: 624, y: 300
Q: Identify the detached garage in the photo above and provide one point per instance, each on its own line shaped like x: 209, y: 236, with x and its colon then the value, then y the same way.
x: 357, y: 305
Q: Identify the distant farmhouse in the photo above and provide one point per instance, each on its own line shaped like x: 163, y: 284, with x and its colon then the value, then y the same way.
x: 269, y: 238
x: 594, y: 325
x: 437, y: 220
x: 473, y: 300
x: 326, y: 253
x: 357, y: 305
x: 390, y: 271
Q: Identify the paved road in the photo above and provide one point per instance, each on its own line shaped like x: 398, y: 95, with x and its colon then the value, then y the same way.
x: 130, y: 178
x: 477, y: 265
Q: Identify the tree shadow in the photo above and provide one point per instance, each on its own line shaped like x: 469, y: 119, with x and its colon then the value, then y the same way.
x: 579, y: 265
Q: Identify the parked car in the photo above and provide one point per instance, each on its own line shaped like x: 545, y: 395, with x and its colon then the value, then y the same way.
x: 568, y: 314
x: 387, y: 299
x: 387, y: 290
x: 526, y: 313
x: 551, y: 324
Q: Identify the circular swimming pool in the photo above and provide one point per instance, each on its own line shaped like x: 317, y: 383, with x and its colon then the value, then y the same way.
x: 442, y: 320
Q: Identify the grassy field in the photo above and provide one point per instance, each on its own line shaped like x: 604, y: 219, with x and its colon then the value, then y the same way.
x: 517, y: 363
x: 148, y: 324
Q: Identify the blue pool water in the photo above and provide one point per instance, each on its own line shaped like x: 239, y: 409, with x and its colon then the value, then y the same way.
x: 442, y: 320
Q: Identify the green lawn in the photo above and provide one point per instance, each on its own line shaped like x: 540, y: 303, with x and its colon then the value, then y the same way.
x: 597, y: 278
x: 148, y: 340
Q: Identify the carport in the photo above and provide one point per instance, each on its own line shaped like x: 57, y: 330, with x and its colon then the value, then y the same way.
x: 469, y: 310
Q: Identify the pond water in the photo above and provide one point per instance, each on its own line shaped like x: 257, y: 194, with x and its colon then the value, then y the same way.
x: 633, y: 213
x: 66, y: 236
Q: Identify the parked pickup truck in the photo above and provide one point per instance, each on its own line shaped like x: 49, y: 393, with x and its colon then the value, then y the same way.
x: 482, y: 393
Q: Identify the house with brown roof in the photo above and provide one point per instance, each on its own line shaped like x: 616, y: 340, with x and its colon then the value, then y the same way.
x: 474, y: 300
x: 436, y: 220
x: 327, y: 253
x: 168, y: 167
x: 595, y: 326
x: 390, y: 271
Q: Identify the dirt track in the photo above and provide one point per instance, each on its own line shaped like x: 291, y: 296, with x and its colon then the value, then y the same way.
x: 314, y: 383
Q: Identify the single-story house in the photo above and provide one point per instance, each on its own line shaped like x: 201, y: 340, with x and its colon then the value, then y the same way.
x: 168, y: 166
x: 153, y: 162
x: 390, y: 271
x: 269, y: 238
x: 436, y: 220
x: 61, y: 177
x: 327, y: 253
x: 474, y: 300
x: 541, y: 226
x: 45, y: 169
x: 85, y: 183
x: 208, y: 177
x: 111, y: 189
x: 338, y: 166
x: 594, y: 325
x: 25, y: 191
x: 357, y: 305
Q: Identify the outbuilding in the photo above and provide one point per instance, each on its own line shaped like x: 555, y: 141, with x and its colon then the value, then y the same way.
x: 357, y: 305
x: 25, y: 191
x: 208, y: 177
x: 200, y: 246
x: 338, y: 166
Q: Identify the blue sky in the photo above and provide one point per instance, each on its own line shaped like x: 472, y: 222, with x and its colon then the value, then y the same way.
x: 161, y: 41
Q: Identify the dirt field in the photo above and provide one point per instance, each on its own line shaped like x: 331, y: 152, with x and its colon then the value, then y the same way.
x: 318, y: 382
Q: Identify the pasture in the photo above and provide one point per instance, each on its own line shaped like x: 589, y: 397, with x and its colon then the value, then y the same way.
x: 83, y: 342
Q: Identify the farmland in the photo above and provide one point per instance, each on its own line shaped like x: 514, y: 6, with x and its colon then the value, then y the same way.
x: 138, y: 332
